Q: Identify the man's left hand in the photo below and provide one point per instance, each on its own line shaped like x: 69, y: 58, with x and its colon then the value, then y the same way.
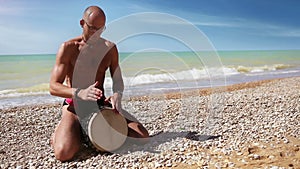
x: 115, y: 101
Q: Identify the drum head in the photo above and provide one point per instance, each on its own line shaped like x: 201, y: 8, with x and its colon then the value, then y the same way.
x: 107, y: 130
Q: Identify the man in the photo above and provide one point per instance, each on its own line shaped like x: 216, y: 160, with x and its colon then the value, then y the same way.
x: 87, y: 84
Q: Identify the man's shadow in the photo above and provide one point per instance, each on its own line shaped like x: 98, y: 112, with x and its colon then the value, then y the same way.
x: 157, y: 139
x: 161, y: 138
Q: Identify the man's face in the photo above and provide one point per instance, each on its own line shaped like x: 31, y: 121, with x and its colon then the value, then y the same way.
x: 92, y: 25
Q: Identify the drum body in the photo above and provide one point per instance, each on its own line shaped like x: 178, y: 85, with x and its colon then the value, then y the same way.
x: 107, y: 130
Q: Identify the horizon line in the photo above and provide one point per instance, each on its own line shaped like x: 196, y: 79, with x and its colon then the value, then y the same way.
x: 223, y: 50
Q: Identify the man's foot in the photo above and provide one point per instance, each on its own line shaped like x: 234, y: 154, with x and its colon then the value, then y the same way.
x: 51, y: 140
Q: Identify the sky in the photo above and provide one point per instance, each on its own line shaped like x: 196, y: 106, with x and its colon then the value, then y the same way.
x: 39, y: 27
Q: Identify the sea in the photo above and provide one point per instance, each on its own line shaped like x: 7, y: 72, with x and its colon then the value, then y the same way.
x: 24, y: 79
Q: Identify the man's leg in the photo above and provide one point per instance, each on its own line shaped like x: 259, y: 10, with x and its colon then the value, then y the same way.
x: 67, y: 136
x: 136, y: 131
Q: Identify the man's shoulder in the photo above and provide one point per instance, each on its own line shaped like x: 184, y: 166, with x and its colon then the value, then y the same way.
x: 76, y: 39
x: 72, y: 42
x: 108, y: 43
x: 69, y: 48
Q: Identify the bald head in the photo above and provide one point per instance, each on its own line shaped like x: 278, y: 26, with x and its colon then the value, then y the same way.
x: 92, y: 21
x: 93, y: 12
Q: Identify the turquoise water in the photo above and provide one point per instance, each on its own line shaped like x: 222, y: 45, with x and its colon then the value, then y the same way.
x: 28, y: 75
x: 18, y: 71
x: 261, y: 58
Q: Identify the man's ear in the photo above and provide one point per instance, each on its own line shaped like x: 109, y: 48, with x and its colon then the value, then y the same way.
x: 81, y: 22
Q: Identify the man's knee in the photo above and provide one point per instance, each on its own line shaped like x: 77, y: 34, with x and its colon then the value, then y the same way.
x: 138, y: 132
x: 143, y: 131
x: 64, y: 153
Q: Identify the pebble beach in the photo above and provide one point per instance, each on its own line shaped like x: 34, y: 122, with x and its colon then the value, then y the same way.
x: 250, y: 125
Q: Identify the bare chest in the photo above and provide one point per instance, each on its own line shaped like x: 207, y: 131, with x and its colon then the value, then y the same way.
x: 89, y: 68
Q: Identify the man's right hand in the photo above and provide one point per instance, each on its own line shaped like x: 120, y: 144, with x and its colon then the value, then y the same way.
x: 92, y: 93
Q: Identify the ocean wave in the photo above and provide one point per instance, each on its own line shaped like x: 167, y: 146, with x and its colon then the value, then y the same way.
x: 186, y: 75
x: 254, y: 69
x: 191, y: 75
x: 274, y: 73
x: 38, y: 89
x: 198, y: 74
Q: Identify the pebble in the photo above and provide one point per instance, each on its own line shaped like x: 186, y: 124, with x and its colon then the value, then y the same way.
x: 231, y: 164
x: 274, y: 167
x: 271, y: 156
x: 156, y: 165
x: 286, y: 141
x: 256, y: 157
x: 244, y: 117
x: 239, y: 154
x: 168, y: 165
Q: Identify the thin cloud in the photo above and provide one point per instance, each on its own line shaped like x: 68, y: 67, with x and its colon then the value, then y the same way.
x: 255, y: 27
x: 291, y: 33
x: 14, y: 8
x: 287, y: 33
x: 11, y: 11
x: 216, y: 24
x: 22, y: 40
x: 135, y: 7
x: 249, y: 26
x: 246, y: 25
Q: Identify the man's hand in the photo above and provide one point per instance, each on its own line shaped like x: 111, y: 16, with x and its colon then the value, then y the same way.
x: 92, y: 93
x: 115, y: 101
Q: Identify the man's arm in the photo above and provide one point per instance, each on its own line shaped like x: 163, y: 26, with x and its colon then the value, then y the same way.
x: 115, y: 71
x: 59, y: 72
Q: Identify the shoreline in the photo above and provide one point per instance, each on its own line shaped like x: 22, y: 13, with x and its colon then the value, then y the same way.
x: 258, y: 127
x: 208, y: 91
x: 175, y: 95
x: 31, y: 95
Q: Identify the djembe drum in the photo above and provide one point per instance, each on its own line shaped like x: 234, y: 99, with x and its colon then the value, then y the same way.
x: 106, y: 129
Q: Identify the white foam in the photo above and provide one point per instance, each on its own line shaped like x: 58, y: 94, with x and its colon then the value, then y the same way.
x: 272, y: 72
x: 15, y: 93
x: 186, y: 75
x: 263, y: 68
x: 27, y: 100
x: 192, y: 75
